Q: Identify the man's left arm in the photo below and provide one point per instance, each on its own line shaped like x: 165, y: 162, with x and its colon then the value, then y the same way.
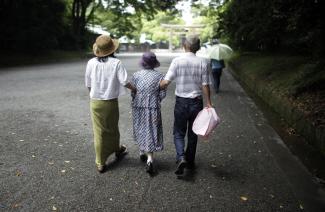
x: 206, y: 94
x: 206, y: 81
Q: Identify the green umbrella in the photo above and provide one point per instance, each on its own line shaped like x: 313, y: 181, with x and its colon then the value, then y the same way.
x: 219, y: 52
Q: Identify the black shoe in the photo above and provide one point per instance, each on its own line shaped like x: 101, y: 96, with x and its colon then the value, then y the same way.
x: 143, y: 158
x: 122, y: 151
x: 181, y: 166
x: 191, y: 165
x: 149, y: 168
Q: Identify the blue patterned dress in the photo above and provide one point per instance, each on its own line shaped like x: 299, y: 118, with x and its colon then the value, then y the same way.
x: 147, y: 123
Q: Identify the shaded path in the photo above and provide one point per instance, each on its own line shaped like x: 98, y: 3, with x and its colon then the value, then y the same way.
x: 47, y: 158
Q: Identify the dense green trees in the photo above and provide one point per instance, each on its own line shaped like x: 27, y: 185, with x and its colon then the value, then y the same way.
x: 38, y: 25
x: 275, y: 25
x: 31, y: 24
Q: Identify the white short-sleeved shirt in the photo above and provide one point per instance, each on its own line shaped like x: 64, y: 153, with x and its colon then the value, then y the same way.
x: 190, y: 73
x: 106, y: 79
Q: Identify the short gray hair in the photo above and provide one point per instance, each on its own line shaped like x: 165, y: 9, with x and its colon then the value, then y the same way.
x: 192, y: 42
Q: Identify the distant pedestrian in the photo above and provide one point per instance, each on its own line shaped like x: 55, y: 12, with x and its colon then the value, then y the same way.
x: 147, y: 123
x: 191, y: 74
x: 106, y: 79
x: 216, y: 66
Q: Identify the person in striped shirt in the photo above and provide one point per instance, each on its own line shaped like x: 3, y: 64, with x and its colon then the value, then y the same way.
x: 192, y: 77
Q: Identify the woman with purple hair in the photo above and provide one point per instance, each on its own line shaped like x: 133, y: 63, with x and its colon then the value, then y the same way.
x: 147, y: 123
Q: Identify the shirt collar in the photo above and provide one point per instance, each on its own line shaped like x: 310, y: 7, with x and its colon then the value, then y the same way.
x: 189, y: 54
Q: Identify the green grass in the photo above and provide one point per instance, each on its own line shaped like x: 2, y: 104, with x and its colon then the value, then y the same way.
x: 297, y: 78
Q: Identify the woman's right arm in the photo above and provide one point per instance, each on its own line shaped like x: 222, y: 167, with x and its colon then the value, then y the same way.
x: 87, y: 77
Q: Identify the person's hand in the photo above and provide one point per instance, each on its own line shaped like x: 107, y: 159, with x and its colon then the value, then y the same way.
x: 133, y: 93
x: 164, y: 84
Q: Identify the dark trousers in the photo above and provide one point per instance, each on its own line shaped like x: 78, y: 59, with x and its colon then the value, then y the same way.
x: 186, y: 110
x: 216, y: 73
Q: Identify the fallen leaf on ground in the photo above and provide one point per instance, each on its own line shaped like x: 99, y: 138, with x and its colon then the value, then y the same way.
x: 16, y: 205
x: 18, y: 173
x: 33, y: 156
x: 243, y: 198
x: 63, y: 171
x: 54, y: 208
x: 291, y: 131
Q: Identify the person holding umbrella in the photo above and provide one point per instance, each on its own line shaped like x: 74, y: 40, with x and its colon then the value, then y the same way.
x: 217, y: 53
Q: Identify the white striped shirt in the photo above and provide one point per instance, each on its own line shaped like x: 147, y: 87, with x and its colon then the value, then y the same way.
x: 190, y: 73
x: 106, y: 79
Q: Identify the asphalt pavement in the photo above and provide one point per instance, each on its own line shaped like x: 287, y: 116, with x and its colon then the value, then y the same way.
x: 47, y: 155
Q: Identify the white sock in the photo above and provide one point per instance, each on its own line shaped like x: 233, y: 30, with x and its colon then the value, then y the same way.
x: 150, y: 157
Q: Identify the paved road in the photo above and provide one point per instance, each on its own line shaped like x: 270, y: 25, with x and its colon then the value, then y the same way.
x: 47, y: 156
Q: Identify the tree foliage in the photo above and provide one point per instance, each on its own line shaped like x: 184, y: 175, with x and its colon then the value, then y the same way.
x: 125, y: 17
x: 31, y: 25
x: 154, y: 30
x: 207, y: 16
x: 275, y: 25
x: 38, y: 25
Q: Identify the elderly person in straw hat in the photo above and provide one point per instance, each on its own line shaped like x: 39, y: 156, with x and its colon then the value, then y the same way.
x: 147, y: 123
x: 191, y: 74
x: 106, y: 79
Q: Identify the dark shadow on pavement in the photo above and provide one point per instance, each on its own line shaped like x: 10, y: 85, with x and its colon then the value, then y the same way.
x: 113, y: 164
x: 188, y: 176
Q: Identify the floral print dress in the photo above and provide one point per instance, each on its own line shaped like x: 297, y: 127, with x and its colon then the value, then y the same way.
x: 147, y: 122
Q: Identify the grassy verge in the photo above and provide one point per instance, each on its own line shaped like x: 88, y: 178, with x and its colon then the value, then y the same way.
x: 19, y: 59
x: 293, y: 86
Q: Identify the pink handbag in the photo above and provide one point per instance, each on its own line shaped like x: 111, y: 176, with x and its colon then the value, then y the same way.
x: 205, y: 122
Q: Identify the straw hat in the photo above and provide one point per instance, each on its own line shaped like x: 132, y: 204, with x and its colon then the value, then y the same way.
x: 104, y: 46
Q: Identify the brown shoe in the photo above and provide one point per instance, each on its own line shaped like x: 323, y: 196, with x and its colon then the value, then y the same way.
x: 100, y: 168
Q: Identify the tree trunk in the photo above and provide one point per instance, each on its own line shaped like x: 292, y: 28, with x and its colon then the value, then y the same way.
x: 79, y: 9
